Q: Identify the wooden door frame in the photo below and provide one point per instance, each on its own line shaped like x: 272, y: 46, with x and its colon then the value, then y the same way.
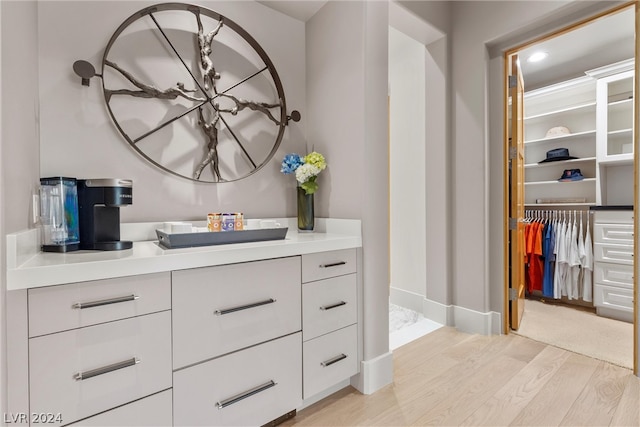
x: 636, y: 123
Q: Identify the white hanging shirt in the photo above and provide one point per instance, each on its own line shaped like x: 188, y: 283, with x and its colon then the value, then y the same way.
x: 582, y: 255
x: 587, y: 277
x: 574, y: 263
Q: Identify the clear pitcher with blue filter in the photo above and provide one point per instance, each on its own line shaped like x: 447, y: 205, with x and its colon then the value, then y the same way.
x: 59, y: 214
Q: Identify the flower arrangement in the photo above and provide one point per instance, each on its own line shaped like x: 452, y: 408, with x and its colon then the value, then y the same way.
x: 306, y: 168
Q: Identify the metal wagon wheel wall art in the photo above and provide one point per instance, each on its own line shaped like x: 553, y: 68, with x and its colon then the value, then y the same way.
x: 192, y: 92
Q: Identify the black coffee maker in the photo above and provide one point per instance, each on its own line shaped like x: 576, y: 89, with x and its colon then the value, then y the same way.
x: 99, y: 202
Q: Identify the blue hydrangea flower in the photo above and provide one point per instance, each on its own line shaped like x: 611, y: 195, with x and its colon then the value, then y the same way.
x: 290, y: 163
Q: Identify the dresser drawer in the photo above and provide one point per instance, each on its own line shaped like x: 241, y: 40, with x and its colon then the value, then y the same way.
x: 618, y: 234
x: 613, y: 297
x: 84, y: 371
x: 217, y: 310
x: 623, y: 216
x: 330, y: 359
x: 622, y: 254
x: 64, y: 307
x: 323, y: 265
x: 620, y: 275
x: 151, y: 411
x: 249, y: 387
x: 328, y: 305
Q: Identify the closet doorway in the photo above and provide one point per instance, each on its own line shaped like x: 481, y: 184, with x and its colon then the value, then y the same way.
x: 569, y: 268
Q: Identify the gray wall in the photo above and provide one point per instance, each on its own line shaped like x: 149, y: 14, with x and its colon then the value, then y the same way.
x: 77, y: 137
x: 347, y: 100
x: 19, y: 153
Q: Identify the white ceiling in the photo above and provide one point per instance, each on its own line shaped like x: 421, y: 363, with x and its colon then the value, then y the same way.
x: 604, y: 41
x: 299, y: 9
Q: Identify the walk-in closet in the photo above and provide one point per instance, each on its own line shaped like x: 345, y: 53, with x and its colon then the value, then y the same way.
x: 578, y: 188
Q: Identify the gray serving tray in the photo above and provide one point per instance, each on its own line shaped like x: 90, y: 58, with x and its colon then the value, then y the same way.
x: 208, y: 238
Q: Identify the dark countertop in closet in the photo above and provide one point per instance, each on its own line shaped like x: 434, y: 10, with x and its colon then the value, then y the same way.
x: 612, y: 208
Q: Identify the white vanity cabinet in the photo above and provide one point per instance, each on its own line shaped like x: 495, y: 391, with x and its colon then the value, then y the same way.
x: 217, y: 310
x: 222, y: 335
x: 124, y: 354
x: 330, y: 316
x: 613, y: 264
x: 237, y: 343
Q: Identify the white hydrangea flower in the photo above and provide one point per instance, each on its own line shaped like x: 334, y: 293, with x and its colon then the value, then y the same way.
x: 306, y: 171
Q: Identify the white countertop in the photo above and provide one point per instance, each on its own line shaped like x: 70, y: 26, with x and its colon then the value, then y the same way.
x: 28, y: 267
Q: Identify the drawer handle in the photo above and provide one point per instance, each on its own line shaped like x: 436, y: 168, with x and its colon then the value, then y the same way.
x: 333, y: 264
x: 238, y: 397
x: 80, y: 376
x: 243, y: 307
x: 83, y: 305
x: 329, y: 307
x: 333, y: 360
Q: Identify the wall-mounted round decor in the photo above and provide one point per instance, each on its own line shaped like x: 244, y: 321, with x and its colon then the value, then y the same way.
x: 194, y: 93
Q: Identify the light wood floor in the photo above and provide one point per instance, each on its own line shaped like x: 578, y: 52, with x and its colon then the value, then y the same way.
x: 452, y: 378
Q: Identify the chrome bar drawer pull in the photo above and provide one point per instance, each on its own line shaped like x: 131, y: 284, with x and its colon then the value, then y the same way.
x: 243, y: 307
x: 329, y: 307
x: 238, y: 397
x: 83, y: 305
x: 333, y: 264
x: 80, y: 376
x: 333, y: 360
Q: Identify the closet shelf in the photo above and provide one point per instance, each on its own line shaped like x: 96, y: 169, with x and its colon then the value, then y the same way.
x: 618, y: 159
x: 620, y: 103
x: 620, y: 132
x: 563, y: 137
x: 563, y: 162
x: 586, y: 180
x: 559, y: 204
x: 572, y: 109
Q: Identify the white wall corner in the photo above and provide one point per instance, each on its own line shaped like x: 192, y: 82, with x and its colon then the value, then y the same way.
x: 374, y: 374
x: 439, y: 313
x: 475, y: 322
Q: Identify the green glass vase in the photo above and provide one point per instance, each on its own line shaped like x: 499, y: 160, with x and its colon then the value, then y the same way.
x: 306, y: 216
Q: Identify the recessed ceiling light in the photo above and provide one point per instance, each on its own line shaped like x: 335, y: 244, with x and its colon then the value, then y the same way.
x: 537, y: 57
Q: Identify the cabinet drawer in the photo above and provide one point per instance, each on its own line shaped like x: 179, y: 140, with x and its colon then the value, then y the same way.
x: 218, y: 310
x: 620, y: 275
x: 323, y: 265
x: 330, y: 359
x: 624, y: 216
x: 618, y: 234
x: 155, y: 410
x: 81, y: 372
x: 60, y: 308
x: 249, y: 387
x: 328, y: 305
x: 622, y: 254
x: 613, y: 297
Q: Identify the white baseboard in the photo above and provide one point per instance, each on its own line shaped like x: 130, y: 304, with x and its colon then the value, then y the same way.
x: 374, y: 374
x: 438, y: 312
x: 475, y: 322
x: 406, y: 299
x: 464, y: 319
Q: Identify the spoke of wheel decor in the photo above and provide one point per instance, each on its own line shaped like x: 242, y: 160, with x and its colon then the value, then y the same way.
x: 178, y: 55
x: 179, y: 116
x: 242, y: 81
x: 238, y: 141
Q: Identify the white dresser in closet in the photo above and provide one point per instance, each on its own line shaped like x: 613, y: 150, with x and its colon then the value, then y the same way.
x: 613, y: 266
